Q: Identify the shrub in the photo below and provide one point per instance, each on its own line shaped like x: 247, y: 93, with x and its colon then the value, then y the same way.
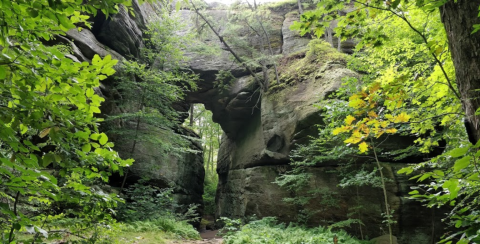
x: 181, y: 229
x: 269, y: 231
x: 146, y: 202
x: 210, y: 191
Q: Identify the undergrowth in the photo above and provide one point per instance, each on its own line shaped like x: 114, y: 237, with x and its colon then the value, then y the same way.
x: 179, y: 229
x: 269, y: 231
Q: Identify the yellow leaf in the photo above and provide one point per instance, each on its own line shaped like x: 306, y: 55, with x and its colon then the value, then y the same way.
x: 372, y: 114
x: 375, y: 87
x: 403, y: 117
x: 399, y: 104
x: 363, y: 147
x: 355, y: 138
x: 44, y: 132
x: 342, y: 129
x: 384, y: 124
x: 391, y: 130
x: 365, y: 129
x: 373, y: 122
x: 349, y: 119
x: 379, y: 134
x: 389, y: 117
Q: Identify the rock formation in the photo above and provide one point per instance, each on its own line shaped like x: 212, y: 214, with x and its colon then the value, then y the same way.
x: 121, y: 36
x: 261, y: 129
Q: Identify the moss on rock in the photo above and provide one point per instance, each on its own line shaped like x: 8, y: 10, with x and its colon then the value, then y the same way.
x: 306, y: 64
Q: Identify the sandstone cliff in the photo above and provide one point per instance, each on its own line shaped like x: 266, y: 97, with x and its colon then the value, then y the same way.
x: 261, y: 130
x: 121, y: 36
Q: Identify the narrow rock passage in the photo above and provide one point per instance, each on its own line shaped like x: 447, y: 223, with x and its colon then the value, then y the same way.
x: 208, y: 237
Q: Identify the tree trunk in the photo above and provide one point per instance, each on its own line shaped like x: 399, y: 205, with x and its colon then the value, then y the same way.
x: 210, y: 156
x: 300, y: 9
x: 329, y: 36
x: 191, y: 114
x: 339, y: 46
x: 458, y: 19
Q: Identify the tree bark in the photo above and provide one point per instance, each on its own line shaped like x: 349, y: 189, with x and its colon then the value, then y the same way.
x: 458, y: 19
x: 329, y: 36
x: 300, y: 9
x: 191, y: 114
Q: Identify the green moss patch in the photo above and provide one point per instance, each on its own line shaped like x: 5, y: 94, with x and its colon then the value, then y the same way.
x: 303, y: 65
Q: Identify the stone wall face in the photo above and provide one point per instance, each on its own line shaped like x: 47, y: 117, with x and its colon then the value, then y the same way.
x: 261, y: 131
x: 121, y: 36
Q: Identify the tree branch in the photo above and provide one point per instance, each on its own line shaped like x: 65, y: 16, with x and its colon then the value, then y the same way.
x: 222, y: 40
x: 10, y: 236
x: 424, y: 38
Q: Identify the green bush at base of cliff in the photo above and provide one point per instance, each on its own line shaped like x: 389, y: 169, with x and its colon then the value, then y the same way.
x: 210, y: 190
x: 170, y: 227
x: 267, y: 230
x: 156, y: 231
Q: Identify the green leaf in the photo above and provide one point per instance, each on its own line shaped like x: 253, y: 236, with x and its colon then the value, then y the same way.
x: 17, y: 226
x: 96, y: 59
x: 47, y: 159
x: 459, y: 152
x: 178, y: 5
x: 23, y: 129
x: 3, y: 72
x: 458, y: 224
x: 462, y: 163
x: 103, y: 139
x: 406, y: 170
x: 463, y: 241
x: 452, y: 186
x: 86, y: 147
x: 94, y: 136
x: 90, y: 92
x: 32, y: 12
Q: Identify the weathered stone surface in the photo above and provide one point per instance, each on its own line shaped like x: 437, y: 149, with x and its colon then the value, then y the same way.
x: 260, y: 132
x: 292, y: 41
x: 259, y: 152
x: 121, y: 36
x: 182, y: 170
x: 89, y: 45
x: 122, y: 32
x: 210, y: 64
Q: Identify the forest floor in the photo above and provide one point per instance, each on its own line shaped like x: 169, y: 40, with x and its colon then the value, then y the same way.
x: 208, y: 237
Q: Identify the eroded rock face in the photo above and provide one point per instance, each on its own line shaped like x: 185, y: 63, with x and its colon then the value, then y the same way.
x: 292, y: 40
x: 261, y: 131
x: 122, y: 37
x: 182, y: 171
x: 249, y: 163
